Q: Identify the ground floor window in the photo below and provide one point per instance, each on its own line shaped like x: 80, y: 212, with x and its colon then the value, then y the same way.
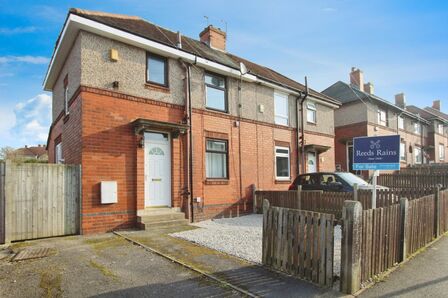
x: 402, y: 151
x: 216, y: 159
x: 282, y: 163
x: 418, y: 154
x: 441, y: 152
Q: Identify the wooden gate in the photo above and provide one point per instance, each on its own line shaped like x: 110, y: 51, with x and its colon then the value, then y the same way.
x: 41, y: 200
x: 299, y: 243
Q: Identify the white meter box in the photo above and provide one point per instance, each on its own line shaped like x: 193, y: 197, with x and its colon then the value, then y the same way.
x: 109, y: 192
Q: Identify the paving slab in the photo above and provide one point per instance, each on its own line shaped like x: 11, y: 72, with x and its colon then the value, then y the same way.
x: 245, y: 275
x: 426, y: 275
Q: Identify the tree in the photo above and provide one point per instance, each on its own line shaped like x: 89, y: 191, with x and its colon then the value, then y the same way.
x: 6, y: 153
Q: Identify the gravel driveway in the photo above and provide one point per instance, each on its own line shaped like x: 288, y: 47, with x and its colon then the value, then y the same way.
x: 241, y: 237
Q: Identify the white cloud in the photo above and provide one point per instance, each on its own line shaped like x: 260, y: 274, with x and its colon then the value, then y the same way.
x: 33, y: 119
x: 329, y: 9
x: 17, y: 30
x: 24, y: 59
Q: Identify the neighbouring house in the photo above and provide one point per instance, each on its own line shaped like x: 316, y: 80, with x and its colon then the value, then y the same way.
x: 437, y: 131
x: 31, y: 153
x: 364, y: 114
x: 161, y: 119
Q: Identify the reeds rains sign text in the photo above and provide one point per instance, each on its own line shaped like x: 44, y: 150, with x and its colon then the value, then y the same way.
x: 376, y: 153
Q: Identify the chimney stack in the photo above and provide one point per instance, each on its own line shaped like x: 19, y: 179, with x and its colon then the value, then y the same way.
x: 400, y: 100
x: 436, y: 105
x: 214, y: 38
x: 357, y: 79
x: 368, y: 87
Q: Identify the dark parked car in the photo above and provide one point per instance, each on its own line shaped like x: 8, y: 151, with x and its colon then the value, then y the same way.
x: 331, y: 181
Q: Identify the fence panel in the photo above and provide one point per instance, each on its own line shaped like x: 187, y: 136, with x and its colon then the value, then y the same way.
x: 413, y: 180
x: 42, y: 200
x: 2, y: 202
x: 421, y: 223
x: 299, y: 243
x: 381, y: 242
x: 443, y: 211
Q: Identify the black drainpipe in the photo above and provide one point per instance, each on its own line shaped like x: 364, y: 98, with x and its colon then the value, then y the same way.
x: 302, y: 127
x: 189, y: 191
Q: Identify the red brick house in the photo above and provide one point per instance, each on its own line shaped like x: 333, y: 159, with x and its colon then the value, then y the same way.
x: 156, y: 119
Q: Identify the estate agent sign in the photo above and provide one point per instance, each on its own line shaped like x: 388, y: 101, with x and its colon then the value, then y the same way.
x: 376, y: 153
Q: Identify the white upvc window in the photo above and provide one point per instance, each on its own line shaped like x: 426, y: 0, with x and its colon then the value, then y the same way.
x: 382, y: 117
x: 58, y: 153
x: 400, y: 122
x: 282, y: 163
x: 441, y: 152
x: 311, y: 112
x: 418, y: 155
x: 417, y: 128
x: 281, y: 108
x: 403, y: 151
x: 440, y: 129
x: 216, y: 159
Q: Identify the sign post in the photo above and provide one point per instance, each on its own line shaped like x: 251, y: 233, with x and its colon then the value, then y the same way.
x: 376, y: 153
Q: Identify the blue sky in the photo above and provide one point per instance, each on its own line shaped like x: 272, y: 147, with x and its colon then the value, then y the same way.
x: 402, y: 46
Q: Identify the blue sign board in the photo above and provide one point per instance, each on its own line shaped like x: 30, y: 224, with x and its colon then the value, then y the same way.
x: 376, y: 153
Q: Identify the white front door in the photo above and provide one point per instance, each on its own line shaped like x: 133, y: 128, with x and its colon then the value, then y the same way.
x: 311, y: 158
x: 157, y: 169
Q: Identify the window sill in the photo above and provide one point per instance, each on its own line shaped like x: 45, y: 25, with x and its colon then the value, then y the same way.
x: 216, y: 182
x: 282, y: 181
x: 66, y: 118
x: 217, y: 110
x: 311, y: 123
x: 156, y: 87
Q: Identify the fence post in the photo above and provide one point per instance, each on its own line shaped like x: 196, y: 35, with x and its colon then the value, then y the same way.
x: 355, y: 192
x: 404, y: 208
x: 437, y: 211
x: 264, y: 248
x: 299, y: 197
x: 351, y: 247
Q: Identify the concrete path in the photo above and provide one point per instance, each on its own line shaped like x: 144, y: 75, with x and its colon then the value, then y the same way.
x: 424, y: 276
x: 103, y: 266
x: 247, y: 276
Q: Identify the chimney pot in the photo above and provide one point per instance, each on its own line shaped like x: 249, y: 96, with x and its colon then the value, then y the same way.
x: 214, y: 38
x: 400, y: 100
x: 436, y: 105
x: 357, y: 78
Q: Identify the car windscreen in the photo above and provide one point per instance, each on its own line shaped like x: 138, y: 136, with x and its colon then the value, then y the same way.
x: 352, y: 179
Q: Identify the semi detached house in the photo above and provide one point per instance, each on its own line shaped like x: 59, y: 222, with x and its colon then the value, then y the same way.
x: 157, y: 119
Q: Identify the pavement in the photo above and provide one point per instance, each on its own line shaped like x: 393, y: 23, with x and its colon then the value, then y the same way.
x: 426, y: 275
x: 250, y: 277
x: 100, y: 266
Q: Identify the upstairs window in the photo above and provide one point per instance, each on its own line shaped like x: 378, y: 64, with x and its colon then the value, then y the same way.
x: 440, y: 128
x: 282, y: 163
x: 417, y: 128
x: 441, y: 152
x: 281, y: 108
x: 382, y: 117
x: 216, y: 159
x: 66, y: 99
x: 58, y: 153
x: 400, y: 122
x: 311, y: 112
x: 215, y: 92
x: 156, y: 69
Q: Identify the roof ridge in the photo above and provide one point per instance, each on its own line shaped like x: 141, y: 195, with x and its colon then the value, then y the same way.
x: 104, y: 14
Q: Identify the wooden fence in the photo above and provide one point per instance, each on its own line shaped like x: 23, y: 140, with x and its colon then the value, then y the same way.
x: 413, y: 180
x: 333, y: 202
x: 299, y: 243
x: 2, y: 202
x: 381, y: 240
x: 375, y: 240
x: 420, y: 223
x: 41, y: 200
